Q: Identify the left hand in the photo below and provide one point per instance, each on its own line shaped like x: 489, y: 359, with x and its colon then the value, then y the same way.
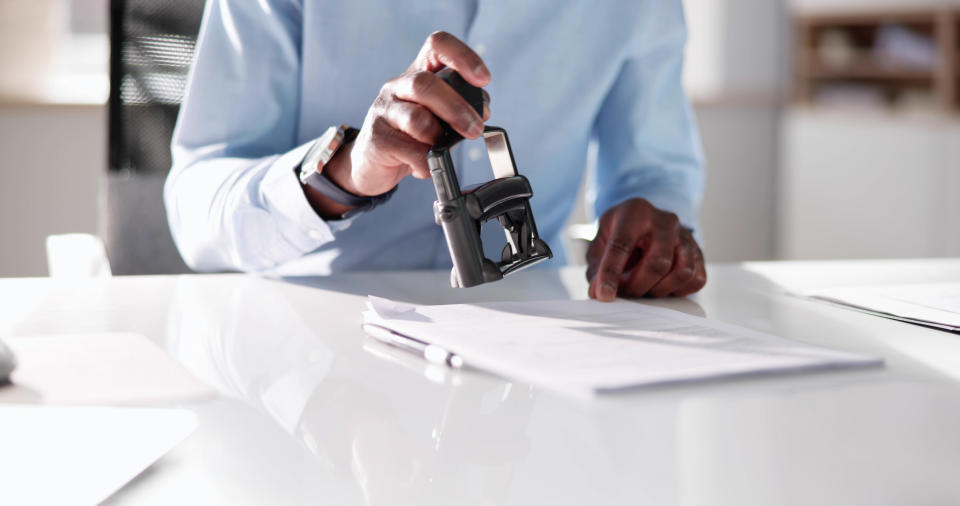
x: 643, y: 251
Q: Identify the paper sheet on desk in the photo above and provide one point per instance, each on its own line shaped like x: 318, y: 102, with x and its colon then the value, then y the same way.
x: 101, y: 369
x: 586, y: 346
x: 81, y: 455
x: 934, y: 305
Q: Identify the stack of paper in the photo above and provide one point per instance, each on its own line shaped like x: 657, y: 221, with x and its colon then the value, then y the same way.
x: 81, y: 455
x: 587, y: 346
x: 935, y: 305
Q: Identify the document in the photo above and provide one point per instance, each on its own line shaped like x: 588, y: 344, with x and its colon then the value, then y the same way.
x: 935, y: 305
x: 589, y: 347
x: 81, y: 455
x: 111, y: 368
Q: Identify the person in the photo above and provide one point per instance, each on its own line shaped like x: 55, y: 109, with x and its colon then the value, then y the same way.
x: 271, y: 76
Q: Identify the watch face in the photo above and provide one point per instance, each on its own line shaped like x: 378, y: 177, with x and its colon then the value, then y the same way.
x: 311, y: 163
x: 320, y: 153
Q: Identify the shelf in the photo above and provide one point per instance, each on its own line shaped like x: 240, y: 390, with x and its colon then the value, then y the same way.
x: 871, y: 71
x: 862, y: 49
x: 868, y: 19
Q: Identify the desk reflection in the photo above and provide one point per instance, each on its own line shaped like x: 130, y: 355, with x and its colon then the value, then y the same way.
x: 455, y: 437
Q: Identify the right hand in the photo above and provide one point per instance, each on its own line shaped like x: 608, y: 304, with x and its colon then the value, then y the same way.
x: 402, y: 124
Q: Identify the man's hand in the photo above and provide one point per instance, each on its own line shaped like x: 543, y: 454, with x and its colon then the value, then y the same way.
x: 643, y: 251
x: 402, y: 124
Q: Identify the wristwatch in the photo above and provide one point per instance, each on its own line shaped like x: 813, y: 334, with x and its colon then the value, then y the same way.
x: 310, y: 171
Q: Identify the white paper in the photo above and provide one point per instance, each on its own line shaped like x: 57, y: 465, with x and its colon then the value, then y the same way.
x: 101, y: 369
x: 933, y: 304
x: 588, y: 346
x: 81, y: 455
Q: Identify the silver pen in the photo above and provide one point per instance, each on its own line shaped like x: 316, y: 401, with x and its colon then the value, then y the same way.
x: 430, y: 352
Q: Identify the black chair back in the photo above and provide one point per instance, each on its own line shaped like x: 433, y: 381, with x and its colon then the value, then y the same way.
x: 152, y: 44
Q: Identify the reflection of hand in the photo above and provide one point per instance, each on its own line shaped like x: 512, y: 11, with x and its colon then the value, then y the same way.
x: 640, y: 250
x: 403, y: 456
x: 387, y: 463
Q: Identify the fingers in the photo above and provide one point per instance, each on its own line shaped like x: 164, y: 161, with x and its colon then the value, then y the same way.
x: 486, y: 105
x: 643, y: 251
x: 414, y: 120
x: 617, y: 241
x: 594, y: 254
x: 408, y: 116
x: 682, y: 272
x: 402, y: 149
x: 658, y: 255
x: 699, y: 279
x: 425, y: 88
x: 444, y: 50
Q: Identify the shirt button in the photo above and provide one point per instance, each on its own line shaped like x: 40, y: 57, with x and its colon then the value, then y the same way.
x: 315, y: 234
x: 480, y: 48
x: 474, y: 154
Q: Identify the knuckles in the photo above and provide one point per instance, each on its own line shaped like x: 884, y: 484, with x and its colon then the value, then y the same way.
x: 381, y: 133
x: 437, y: 38
x: 668, y: 222
x: 608, y: 271
x: 639, y: 204
x: 700, y: 279
x: 660, y: 266
x: 686, y: 273
x: 387, y: 90
x: 672, y: 221
x: 620, y: 246
x: 419, y: 121
x: 421, y: 82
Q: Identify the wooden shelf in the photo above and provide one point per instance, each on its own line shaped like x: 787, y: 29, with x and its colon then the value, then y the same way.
x: 871, y: 71
x: 818, y: 38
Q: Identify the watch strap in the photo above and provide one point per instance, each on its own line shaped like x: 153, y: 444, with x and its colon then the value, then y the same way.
x: 316, y: 179
x: 334, y: 192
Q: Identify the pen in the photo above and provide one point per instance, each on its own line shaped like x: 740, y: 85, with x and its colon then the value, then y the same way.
x: 430, y: 352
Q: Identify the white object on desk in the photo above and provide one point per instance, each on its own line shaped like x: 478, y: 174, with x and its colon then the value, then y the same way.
x: 81, y: 455
x: 8, y: 362
x: 107, y: 368
x: 77, y: 256
x: 589, y: 347
x: 935, y: 305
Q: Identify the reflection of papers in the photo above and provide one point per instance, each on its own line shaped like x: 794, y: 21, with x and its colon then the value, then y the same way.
x: 81, y: 455
x: 587, y: 346
x: 934, y: 305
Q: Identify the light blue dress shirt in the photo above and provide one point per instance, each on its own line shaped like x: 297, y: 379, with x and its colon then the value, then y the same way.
x: 271, y: 75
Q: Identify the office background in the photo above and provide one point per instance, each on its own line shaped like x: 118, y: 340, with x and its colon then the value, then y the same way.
x: 831, y: 127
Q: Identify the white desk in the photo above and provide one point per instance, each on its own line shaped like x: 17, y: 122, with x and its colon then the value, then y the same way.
x: 308, y: 415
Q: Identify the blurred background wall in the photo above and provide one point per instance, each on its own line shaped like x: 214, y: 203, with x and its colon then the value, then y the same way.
x: 53, y: 124
x: 830, y: 127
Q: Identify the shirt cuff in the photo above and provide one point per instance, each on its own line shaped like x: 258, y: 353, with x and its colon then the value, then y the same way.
x: 284, y: 198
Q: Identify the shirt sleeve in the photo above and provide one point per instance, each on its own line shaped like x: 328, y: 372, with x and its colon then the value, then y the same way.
x: 648, y: 145
x: 232, y: 198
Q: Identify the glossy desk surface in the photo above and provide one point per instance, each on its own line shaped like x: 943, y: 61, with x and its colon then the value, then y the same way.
x: 311, y: 412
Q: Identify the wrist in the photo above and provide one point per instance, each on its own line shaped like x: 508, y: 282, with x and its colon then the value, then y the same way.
x: 338, y: 170
x: 328, y: 176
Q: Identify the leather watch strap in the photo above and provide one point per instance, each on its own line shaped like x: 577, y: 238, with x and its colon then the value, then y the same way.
x: 316, y: 179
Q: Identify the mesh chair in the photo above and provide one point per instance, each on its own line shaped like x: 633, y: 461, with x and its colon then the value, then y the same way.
x: 152, y: 44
